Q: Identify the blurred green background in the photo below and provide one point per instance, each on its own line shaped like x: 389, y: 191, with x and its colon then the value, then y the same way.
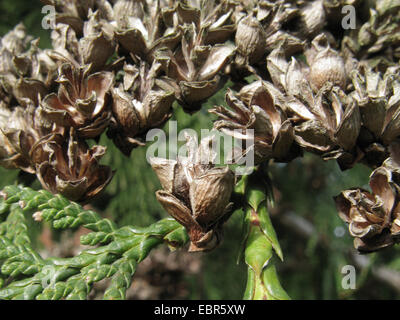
x: 315, y: 242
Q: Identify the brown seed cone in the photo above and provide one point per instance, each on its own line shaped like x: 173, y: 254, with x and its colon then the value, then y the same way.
x: 26, y: 71
x: 143, y: 27
x: 82, y: 101
x: 139, y: 104
x: 20, y: 129
x: 326, y: 121
x: 378, y: 99
x: 196, y: 194
x: 257, y: 107
x: 66, y: 165
x: 194, y: 71
x: 372, y: 217
x: 95, y: 47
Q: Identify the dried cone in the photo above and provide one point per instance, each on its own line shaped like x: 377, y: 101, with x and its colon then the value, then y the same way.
x: 25, y: 74
x: 393, y: 165
x: 20, y: 129
x: 82, y: 101
x: 263, y: 28
x: 95, y: 48
x: 8, y: 154
x: 194, y: 70
x: 312, y: 18
x: 257, y: 107
x: 379, y: 100
x: 139, y: 104
x: 250, y: 41
x: 196, y: 194
x: 66, y: 165
x: 72, y: 12
x: 327, y: 121
x: 77, y: 13
x: 142, y: 27
x: 370, y: 215
x: 325, y: 64
x: 214, y: 20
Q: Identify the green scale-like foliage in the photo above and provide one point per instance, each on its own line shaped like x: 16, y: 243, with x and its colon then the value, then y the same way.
x: 26, y: 275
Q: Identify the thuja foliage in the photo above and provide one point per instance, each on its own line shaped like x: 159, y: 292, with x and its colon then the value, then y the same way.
x: 26, y: 275
x: 295, y: 80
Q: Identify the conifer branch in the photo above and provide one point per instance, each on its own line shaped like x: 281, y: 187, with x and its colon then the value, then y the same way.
x: 26, y: 275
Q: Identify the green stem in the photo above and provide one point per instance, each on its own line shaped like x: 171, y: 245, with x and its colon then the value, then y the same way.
x: 261, y: 246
